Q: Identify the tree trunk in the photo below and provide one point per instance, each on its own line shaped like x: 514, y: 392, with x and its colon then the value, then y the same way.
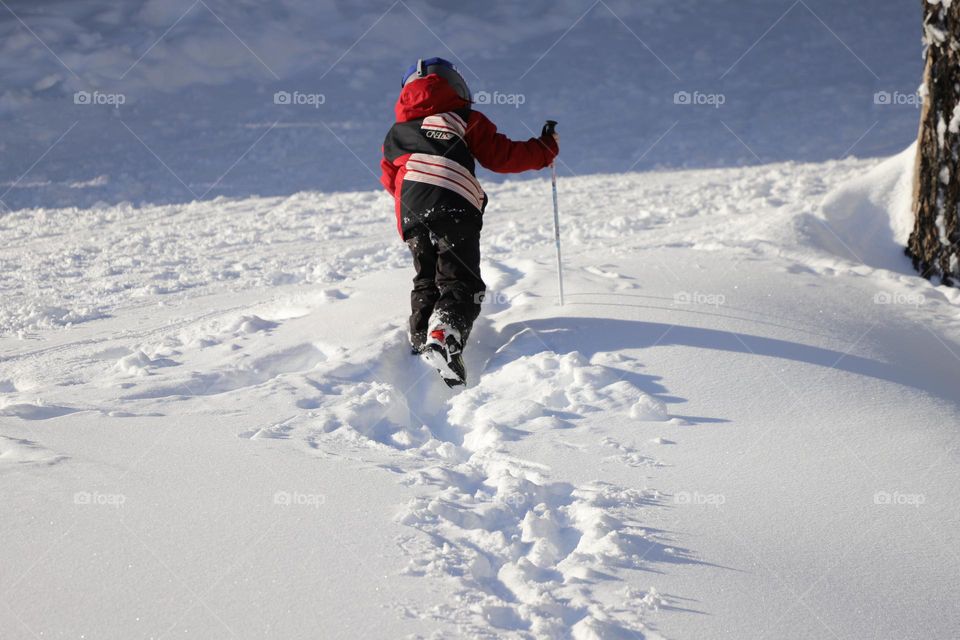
x: 934, y: 245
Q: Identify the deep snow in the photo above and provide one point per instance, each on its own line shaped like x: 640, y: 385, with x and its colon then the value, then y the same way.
x: 742, y: 424
x: 735, y: 428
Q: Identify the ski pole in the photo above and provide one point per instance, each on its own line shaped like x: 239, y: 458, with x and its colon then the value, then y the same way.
x: 549, y: 128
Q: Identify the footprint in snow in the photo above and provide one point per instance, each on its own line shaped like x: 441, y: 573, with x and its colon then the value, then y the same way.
x: 630, y: 456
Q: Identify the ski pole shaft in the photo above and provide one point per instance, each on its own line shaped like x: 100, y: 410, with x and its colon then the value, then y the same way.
x: 549, y: 128
x: 556, y: 231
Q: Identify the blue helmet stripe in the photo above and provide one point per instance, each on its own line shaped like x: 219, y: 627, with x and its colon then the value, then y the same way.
x: 428, y: 62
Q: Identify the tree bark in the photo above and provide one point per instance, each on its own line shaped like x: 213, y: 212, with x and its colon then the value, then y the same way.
x: 934, y: 245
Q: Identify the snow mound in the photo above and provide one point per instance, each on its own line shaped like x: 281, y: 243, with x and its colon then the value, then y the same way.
x: 250, y: 324
x: 17, y: 451
x: 35, y: 410
x: 868, y: 219
x: 140, y: 364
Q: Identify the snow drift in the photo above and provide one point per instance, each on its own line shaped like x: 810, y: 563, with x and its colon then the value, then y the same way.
x: 732, y: 427
x: 869, y: 219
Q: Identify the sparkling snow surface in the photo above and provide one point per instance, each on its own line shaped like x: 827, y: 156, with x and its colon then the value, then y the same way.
x: 743, y: 423
x: 211, y: 425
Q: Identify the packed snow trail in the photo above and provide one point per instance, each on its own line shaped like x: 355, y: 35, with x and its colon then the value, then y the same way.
x: 734, y: 428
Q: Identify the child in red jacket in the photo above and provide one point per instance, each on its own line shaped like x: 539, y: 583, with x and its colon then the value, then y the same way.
x: 428, y: 166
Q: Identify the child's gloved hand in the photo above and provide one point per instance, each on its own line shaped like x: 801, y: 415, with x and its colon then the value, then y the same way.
x: 549, y: 129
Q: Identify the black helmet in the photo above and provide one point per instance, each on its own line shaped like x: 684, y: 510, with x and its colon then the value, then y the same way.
x: 443, y: 68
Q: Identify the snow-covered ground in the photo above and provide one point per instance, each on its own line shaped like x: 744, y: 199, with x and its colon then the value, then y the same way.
x: 742, y: 424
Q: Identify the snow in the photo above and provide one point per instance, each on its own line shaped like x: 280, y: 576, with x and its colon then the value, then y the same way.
x: 177, y: 97
x: 710, y: 426
x: 870, y: 217
x: 741, y: 424
x: 14, y: 451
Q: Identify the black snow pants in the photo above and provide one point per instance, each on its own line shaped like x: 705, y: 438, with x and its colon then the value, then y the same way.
x: 447, y: 284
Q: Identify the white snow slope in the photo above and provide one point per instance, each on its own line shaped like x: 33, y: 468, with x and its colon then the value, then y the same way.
x: 167, y: 101
x: 742, y: 424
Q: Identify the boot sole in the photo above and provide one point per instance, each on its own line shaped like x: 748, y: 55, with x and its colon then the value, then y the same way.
x: 435, y: 357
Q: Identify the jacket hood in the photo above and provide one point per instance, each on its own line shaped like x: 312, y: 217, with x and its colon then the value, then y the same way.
x: 427, y: 96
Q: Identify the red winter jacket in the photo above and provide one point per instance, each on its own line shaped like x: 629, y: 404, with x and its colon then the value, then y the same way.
x: 429, y: 153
